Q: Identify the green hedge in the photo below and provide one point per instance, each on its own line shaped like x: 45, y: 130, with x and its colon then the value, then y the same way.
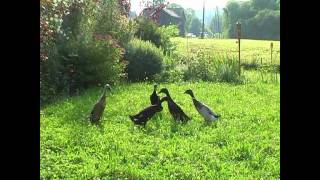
x: 145, y: 60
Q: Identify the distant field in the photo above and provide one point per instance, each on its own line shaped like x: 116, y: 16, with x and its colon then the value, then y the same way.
x: 250, y: 49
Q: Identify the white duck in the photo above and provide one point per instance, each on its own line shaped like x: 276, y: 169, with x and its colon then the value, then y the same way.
x: 203, y: 109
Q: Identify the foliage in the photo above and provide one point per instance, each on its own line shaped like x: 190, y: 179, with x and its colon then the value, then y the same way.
x: 111, y: 21
x: 266, y: 4
x: 200, y: 66
x: 84, y: 48
x: 155, y: 7
x: 167, y: 32
x: 149, y: 3
x: 190, y: 15
x: 217, y: 61
x: 174, y: 5
x: 195, y: 26
x: 264, y: 25
x: 260, y: 19
x: 216, y: 22
x: 243, y: 144
x: 145, y: 60
x: 212, y: 68
x: 147, y: 30
x: 52, y: 77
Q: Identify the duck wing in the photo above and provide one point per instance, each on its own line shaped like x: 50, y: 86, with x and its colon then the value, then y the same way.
x: 97, y: 111
x: 145, y: 114
x: 208, y: 110
x: 177, y: 112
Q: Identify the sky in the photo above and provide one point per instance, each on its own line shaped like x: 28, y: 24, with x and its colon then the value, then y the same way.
x: 194, y: 4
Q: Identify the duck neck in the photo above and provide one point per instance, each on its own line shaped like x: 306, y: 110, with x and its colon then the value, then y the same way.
x: 161, y: 101
x: 104, y: 92
x: 192, y: 96
x: 167, y: 94
x: 169, y: 97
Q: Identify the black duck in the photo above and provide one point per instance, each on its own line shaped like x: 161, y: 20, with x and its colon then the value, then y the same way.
x: 174, y: 109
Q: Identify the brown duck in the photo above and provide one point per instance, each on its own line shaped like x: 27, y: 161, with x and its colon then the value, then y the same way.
x: 99, y: 107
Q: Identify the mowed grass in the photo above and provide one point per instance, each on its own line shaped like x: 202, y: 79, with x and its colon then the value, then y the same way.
x: 243, y: 144
x: 250, y: 49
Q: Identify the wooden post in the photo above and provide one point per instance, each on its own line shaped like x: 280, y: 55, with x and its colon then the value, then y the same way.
x: 239, y: 37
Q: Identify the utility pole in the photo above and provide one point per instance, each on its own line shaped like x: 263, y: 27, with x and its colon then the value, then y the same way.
x: 215, y: 22
x: 218, y: 20
x: 239, y: 37
x: 202, y: 34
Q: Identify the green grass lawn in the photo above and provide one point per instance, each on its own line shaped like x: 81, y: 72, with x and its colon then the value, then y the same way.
x: 250, y: 49
x: 243, y: 144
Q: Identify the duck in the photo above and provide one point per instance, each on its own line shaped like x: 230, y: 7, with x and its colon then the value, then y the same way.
x: 147, y: 113
x: 174, y: 109
x: 203, y: 109
x: 154, y: 98
x: 98, y: 108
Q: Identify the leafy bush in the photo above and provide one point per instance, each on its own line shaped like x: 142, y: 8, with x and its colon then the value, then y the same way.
x: 226, y: 70
x: 166, y: 33
x: 170, y: 75
x: 145, y: 60
x: 218, y: 68
x: 160, y: 36
x: 253, y: 64
x: 95, y: 62
x: 148, y: 30
x: 199, y: 69
x: 85, y: 47
x: 200, y: 66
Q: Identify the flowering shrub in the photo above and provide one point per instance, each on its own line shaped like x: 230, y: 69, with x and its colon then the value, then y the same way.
x: 81, y: 44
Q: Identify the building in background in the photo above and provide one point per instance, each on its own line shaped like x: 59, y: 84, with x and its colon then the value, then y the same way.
x: 169, y: 16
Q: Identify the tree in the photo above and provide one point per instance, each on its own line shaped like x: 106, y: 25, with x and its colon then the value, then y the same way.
x: 195, y: 26
x: 260, y: 19
x: 232, y: 16
x: 190, y: 14
x: 156, y: 6
x: 158, y: 2
x: 174, y: 5
x: 265, y: 4
x: 216, y: 22
x: 267, y: 24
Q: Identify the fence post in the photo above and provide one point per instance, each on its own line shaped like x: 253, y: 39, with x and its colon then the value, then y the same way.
x: 239, y: 37
x: 271, y: 48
